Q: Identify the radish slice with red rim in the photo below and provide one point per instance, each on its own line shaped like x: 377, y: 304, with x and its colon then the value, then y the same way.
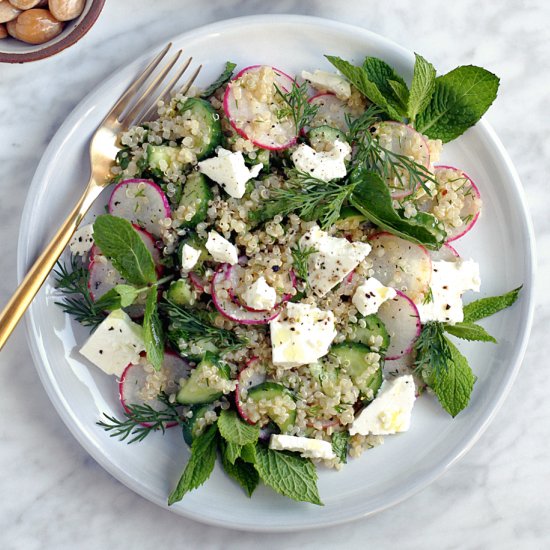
x: 141, y: 202
x: 331, y: 111
x: 223, y: 285
x: 401, y: 264
x: 197, y: 281
x: 284, y: 297
x: 256, y: 119
x: 251, y: 375
x: 402, y: 321
x: 446, y: 254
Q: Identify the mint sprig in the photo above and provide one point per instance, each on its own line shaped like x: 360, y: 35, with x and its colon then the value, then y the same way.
x: 422, y: 87
x: 484, y: 307
x: 469, y: 331
x: 340, y: 442
x: 152, y: 330
x: 242, y: 472
x: 234, y: 430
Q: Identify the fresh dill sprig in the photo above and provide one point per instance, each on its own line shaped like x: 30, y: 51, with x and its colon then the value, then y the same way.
x: 300, y: 259
x: 72, y: 282
x: 141, y: 420
x: 429, y: 298
x: 297, y: 106
x: 433, y: 353
x: 194, y: 325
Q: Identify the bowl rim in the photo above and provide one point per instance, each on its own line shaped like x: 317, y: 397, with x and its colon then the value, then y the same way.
x: 74, y: 36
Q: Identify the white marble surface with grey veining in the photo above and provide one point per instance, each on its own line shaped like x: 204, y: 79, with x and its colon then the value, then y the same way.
x: 54, y: 496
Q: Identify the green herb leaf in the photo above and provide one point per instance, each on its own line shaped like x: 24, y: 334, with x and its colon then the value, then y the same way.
x: 235, y: 430
x: 401, y: 92
x: 200, y: 465
x: 121, y: 243
x: 372, y: 198
x: 248, y: 453
x: 152, y: 330
x: 297, y: 106
x: 381, y: 74
x: 288, y: 474
x: 454, y: 384
x: 242, y: 472
x: 460, y: 99
x: 422, y: 87
x: 432, y: 351
x: 224, y: 77
x: 359, y: 78
x: 127, y: 293
x: 340, y: 441
x: 469, y: 331
x: 232, y: 451
x: 485, y: 307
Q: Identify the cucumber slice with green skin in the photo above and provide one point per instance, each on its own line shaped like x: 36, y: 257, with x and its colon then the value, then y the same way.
x: 210, y: 134
x: 269, y: 391
x: 322, y: 138
x: 181, y: 292
x: 196, y: 390
x: 195, y: 195
x: 190, y: 429
x: 369, y: 335
x: 352, y: 356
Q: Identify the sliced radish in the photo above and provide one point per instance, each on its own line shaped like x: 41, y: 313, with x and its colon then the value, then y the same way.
x: 446, y: 254
x: 331, y: 111
x: 402, y: 321
x: 197, y: 281
x: 251, y: 375
x: 255, y: 118
x: 403, y: 140
x: 223, y: 284
x: 134, y: 380
x: 284, y: 297
x: 401, y: 264
x: 454, y: 180
x: 141, y: 202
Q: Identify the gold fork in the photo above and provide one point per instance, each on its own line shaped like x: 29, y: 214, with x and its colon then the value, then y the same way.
x: 129, y: 110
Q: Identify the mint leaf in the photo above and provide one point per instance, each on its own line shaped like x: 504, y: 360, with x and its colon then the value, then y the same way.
x: 224, y: 77
x: 200, y: 465
x: 359, y: 78
x: 422, y: 87
x: 460, y: 99
x: 401, y: 92
x: 372, y: 198
x: 121, y: 243
x: 248, y: 453
x: 232, y: 451
x: 340, y: 441
x: 235, y: 430
x: 380, y: 73
x: 288, y: 474
x: 152, y: 330
x: 453, y: 385
x: 109, y: 301
x: 469, y: 331
x: 242, y: 472
x: 485, y: 307
x: 127, y: 293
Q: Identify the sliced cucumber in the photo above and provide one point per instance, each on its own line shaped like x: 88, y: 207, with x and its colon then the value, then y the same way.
x: 191, y: 429
x: 210, y: 132
x: 161, y: 157
x: 181, y: 293
x: 269, y: 391
x: 198, y: 387
x: 322, y: 138
x: 354, y: 358
x: 195, y: 196
x: 373, y: 334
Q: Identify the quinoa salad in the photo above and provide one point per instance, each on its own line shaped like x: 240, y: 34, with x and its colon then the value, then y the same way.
x: 276, y: 274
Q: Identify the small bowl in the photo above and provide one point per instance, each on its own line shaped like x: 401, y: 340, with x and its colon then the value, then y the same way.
x: 14, y: 51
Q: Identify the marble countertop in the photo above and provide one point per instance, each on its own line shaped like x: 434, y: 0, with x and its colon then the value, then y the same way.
x: 55, y: 496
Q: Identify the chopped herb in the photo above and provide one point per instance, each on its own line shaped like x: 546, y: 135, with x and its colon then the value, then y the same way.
x: 297, y: 106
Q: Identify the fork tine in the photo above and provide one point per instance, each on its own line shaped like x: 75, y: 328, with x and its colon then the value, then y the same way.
x: 130, y: 92
x: 143, y: 102
x: 166, y: 91
x: 189, y: 83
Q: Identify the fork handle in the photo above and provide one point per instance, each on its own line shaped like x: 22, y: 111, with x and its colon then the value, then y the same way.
x: 41, y: 268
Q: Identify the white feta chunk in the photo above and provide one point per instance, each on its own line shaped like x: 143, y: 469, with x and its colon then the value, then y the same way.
x: 390, y: 412
x: 230, y: 171
x: 82, y: 241
x: 115, y: 343
x: 334, y: 259
x: 221, y: 249
x: 329, y: 82
x: 259, y: 295
x: 189, y: 257
x: 301, y: 334
x: 323, y: 165
x: 306, y: 446
x: 449, y: 281
x: 370, y: 295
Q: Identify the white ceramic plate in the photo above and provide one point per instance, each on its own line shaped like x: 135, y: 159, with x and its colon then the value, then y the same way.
x: 502, y: 242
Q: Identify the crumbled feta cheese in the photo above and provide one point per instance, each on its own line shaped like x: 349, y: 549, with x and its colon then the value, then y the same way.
x: 82, y: 241
x: 370, y: 295
x: 221, y: 249
x: 260, y: 295
x: 306, y: 446
x: 449, y: 281
x: 189, y: 257
x: 301, y: 334
x: 229, y: 170
x: 329, y: 82
x: 323, y: 165
x: 390, y: 412
x: 115, y: 343
x: 334, y: 259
